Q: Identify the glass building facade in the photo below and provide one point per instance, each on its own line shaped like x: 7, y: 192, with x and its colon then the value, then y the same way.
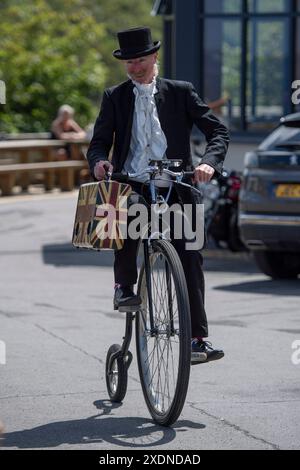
x: 242, y: 56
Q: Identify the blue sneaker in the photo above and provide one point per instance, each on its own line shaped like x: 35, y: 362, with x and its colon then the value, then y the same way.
x: 202, y: 351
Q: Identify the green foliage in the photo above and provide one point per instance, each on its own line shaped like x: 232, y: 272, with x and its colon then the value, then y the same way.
x: 47, y: 58
x: 60, y: 51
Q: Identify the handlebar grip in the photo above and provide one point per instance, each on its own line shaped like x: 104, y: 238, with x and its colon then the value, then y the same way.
x: 188, y: 174
x: 119, y: 177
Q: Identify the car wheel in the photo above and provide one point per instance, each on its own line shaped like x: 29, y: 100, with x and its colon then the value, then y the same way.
x: 278, y: 265
x: 234, y: 241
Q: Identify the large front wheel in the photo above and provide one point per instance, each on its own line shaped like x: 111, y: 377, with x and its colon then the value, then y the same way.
x: 164, y: 348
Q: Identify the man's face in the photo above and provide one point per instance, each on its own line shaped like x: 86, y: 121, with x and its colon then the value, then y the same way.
x: 142, y: 69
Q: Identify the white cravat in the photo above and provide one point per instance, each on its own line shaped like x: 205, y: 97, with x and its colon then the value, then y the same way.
x: 148, y: 140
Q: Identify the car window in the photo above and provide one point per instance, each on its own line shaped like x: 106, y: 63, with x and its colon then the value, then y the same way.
x: 280, y: 136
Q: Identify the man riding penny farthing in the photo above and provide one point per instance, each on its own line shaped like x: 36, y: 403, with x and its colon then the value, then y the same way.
x: 148, y: 119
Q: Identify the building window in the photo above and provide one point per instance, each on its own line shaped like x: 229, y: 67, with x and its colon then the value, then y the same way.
x: 297, y: 68
x: 221, y: 6
x: 247, y: 58
x: 268, y: 92
x: 298, y: 48
x: 268, y: 6
x: 222, y: 65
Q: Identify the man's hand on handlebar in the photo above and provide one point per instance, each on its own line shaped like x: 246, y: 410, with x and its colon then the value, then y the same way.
x: 101, y: 168
x: 203, y: 173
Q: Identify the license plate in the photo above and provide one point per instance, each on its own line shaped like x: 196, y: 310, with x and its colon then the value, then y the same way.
x: 288, y: 190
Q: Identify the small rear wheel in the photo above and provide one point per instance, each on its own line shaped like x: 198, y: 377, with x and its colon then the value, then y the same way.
x: 117, y: 372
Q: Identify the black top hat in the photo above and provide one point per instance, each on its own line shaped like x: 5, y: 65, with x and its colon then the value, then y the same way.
x: 134, y: 43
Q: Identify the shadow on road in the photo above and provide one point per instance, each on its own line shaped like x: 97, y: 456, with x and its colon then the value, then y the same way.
x: 124, y: 432
x: 65, y: 254
x: 265, y: 286
x: 225, y: 261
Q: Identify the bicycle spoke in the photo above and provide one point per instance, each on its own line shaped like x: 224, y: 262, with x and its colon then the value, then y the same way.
x: 163, y: 341
x: 161, y: 352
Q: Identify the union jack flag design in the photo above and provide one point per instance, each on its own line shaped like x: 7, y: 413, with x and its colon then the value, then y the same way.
x: 101, y: 216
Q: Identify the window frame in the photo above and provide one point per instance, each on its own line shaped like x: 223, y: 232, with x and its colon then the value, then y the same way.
x: 292, y: 14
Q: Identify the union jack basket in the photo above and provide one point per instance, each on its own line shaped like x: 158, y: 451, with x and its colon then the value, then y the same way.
x: 101, y: 215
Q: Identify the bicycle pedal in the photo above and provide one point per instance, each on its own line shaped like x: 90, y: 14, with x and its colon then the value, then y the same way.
x: 129, y: 308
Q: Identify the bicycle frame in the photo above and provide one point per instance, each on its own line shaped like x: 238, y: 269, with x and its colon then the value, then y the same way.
x: 163, y: 329
x: 155, y: 168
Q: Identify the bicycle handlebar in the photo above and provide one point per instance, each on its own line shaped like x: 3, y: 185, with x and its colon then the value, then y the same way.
x: 121, y: 177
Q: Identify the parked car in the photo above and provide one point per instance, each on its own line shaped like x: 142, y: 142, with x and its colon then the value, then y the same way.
x: 220, y: 198
x: 269, y: 206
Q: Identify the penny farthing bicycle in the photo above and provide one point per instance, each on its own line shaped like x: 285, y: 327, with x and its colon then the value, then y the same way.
x: 162, y: 324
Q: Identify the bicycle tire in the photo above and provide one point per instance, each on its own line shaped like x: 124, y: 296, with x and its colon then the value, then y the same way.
x: 167, y: 415
x: 116, y: 375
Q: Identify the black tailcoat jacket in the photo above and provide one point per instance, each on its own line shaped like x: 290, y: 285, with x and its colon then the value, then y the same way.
x: 178, y: 106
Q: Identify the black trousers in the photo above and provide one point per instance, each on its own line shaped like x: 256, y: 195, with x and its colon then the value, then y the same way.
x: 125, y: 269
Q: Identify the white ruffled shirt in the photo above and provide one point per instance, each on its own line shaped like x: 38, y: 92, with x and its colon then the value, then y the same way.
x: 148, y: 141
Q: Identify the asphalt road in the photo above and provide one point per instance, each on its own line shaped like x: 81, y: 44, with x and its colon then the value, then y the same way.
x: 57, y: 323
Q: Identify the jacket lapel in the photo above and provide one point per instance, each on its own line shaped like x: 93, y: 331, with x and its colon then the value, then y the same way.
x: 161, y: 104
x: 128, y: 106
x: 159, y: 96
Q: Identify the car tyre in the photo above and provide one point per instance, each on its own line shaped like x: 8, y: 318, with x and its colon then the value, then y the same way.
x: 278, y: 265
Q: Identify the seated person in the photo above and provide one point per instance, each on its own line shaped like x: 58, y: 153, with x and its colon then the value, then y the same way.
x: 65, y: 128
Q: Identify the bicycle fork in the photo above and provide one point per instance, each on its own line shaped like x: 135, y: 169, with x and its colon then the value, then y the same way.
x: 153, y: 328
x: 149, y: 286
x: 125, y: 354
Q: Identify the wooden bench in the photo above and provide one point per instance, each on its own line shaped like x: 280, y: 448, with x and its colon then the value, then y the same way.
x: 25, y: 151
x: 46, y: 147
x: 26, y: 136
x: 64, y: 169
